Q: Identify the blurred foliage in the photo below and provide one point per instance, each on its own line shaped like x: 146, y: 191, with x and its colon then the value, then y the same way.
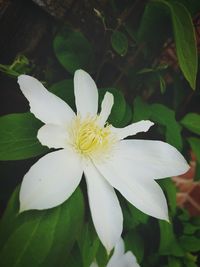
x: 149, y: 63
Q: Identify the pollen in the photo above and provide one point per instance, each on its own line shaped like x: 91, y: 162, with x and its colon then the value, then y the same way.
x: 89, y: 138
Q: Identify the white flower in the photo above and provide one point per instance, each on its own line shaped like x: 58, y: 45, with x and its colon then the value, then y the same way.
x: 119, y: 258
x: 92, y: 146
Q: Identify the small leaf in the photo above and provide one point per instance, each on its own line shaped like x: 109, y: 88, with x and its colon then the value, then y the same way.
x: 162, y: 84
x: 18, y: 137
x: 73, y: 50
x: 119, y: 43
x: 191, y: 121
x: 174, y: 262
x: 185, y: 40
x: 190, y: 243
x: 40, y: 238
x: 168, y: 243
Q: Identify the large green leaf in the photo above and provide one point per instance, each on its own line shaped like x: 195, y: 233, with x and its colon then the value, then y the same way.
x: 73, y: 50
x: 185, y: 40
x: 40, y: 238
x: 18, y: 137
x: 191, y: 121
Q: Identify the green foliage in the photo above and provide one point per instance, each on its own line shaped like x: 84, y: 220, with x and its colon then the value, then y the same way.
x: 89, y: 244
x: 138, y: 50
x: 168, y: 241
x: 161, y: 115
x: 195, y: 145
x: 185, y: 40
x: 73, y: 50
x: 40, y: 238
x: 18, y: 137
x: 19, y: 66
x: 119, y: 43
x: 191, y: 121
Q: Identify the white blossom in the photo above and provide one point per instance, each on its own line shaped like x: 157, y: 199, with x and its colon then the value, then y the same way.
x: 88, y: 144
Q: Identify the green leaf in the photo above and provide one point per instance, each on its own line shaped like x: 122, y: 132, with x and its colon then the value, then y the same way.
x: 132, y: 216
x: 184, y: 34
x: 40, y: 238
x: 170, y: 189
x: 161, y: 115
x: 166, y: 117
x: 119, y: 107
x: 190, y: 229
x: 73, y: 50
x: 141, y: 110
x: 195, y: 145
x: 153, y: 28
x: 119, y: 43
x: 18, y: 137
x: 190, y: 243
x: 89, y: 244
x: 135, y: 243
x: 174, y: 262
x: 191, y: 121
x: 168, y: 243
x: 65, y: 90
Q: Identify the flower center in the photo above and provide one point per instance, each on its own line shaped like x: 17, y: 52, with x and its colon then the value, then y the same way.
x: 88, y: 138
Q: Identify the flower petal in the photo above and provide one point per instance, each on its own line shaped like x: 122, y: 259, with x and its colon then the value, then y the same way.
x: 142, y: 192
x: 154, y: 159
x: 119, y: 259
x: 132, y: 129
x: 51, y: 180
x: 126, y: 260
x: 86, y: 94
x: 53, y: 136
x: 104, y: 205
x: 46, y: 106
x: 106, y: 107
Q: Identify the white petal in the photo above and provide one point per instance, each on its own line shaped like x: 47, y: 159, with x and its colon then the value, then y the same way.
x: 106, y: 107
x: 86, y: 94
x: 53, y: 136
x: 144, y: 193
x: 154, y: 159
x: 104, y: 205
x: 127, y: 260
x: 119, y: 249
x: 50, y: 181
x: 132, y: 129
x: 46, y: 106
x: 119, y: 259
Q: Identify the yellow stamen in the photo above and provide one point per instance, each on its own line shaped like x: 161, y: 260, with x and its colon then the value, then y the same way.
x: 88, y: 138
